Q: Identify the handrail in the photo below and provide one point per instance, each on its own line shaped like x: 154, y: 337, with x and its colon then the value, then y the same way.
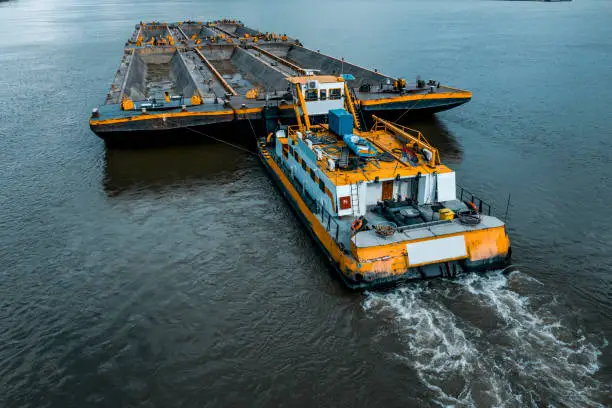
x: 216, y: 73
x: 331, y: 225
x: 349, y: 102
x: 483, y: 206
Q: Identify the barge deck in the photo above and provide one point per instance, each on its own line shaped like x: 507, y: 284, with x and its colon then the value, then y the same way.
x: 198, y: 75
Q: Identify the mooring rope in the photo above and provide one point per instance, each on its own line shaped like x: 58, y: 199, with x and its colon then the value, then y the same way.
x: 219, y: 140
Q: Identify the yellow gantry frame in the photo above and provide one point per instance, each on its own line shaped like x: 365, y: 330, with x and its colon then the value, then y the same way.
x: 408, y: 138
x: 303, y: 106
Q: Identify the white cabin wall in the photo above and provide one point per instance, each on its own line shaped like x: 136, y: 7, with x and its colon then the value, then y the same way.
x: 402, y: 188
x: 373, y: 193
x: 363, y: 194
x: 321, y: 107
x: 425, y: 195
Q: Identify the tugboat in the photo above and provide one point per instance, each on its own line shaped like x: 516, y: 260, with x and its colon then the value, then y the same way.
x: 378, y: 202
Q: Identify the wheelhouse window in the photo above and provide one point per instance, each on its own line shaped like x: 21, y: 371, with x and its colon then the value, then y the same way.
x: 323, y: 94
x: 311, y: 95
x: 335, y: 93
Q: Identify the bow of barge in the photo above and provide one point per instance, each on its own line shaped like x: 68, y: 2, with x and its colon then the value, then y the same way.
x: 207, y: 75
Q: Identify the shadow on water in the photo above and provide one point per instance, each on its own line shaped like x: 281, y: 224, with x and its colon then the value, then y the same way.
x: 439, y: 135
x: 177, y: 166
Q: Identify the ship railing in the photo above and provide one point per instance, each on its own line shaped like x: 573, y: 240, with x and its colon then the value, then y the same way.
x: 327, y: 219
x: 484, y: 207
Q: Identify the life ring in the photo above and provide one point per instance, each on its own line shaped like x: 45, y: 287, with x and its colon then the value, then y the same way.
x: 357, y: 224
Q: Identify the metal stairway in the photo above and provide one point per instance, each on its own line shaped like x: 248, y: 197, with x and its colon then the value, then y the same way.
x: 361, y: 123
x: 344, y: 158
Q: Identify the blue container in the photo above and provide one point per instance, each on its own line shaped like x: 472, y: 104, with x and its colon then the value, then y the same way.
x: 340, y: 122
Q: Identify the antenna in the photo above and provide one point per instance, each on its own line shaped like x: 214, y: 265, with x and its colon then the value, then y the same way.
x: 507, y: 208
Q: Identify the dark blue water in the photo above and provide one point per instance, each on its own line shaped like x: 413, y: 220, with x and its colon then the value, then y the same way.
x: 179, y: 277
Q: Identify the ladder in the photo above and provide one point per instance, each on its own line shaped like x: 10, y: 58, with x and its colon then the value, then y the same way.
x: 355, y: 199
x: 361, y: 123
x: 344, y: 158
x: 353, y: 107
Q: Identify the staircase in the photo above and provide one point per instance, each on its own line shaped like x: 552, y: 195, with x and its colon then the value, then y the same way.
x: 358, y: 112
x: 344, y: 158
x: 355, y: 199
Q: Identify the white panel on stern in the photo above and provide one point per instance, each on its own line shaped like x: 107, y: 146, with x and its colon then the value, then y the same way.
x: 434, y: 250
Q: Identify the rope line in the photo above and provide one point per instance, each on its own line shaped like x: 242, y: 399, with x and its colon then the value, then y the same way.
x: 220, y: 140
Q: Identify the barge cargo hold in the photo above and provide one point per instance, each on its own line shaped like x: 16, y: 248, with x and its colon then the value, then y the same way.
x: 378, y: 202
x: 202, y: 75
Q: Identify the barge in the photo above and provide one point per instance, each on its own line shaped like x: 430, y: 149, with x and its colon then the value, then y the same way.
x: 206, y: 75
x: 378, y: 202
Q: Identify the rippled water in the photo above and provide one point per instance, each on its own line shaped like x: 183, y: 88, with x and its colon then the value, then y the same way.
x: 514, y: 350
x: 179, y: 277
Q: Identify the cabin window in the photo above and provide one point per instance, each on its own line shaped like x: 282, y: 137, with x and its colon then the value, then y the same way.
x: 345, y: 203
x: 335, y: 93
x: 323, y: 94
x: 285, y: 151
x: 322, y: 185
x: 311, y: 95
x: 304, y: 166
x: 312, y: 175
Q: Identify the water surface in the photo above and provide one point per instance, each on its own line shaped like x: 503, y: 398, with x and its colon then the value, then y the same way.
x: 179, y: 277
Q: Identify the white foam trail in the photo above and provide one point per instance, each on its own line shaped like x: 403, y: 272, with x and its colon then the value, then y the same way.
x: 522, y: 362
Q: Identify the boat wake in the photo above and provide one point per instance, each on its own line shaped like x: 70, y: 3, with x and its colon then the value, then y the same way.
x: 475, y: 341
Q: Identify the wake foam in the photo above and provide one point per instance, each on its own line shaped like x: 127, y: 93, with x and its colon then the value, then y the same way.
x: 525, y: 357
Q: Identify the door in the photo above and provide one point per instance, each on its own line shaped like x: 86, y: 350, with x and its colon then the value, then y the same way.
x: 387, y: 190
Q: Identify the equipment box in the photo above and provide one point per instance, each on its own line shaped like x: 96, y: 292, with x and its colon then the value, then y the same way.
x: 340, y: 122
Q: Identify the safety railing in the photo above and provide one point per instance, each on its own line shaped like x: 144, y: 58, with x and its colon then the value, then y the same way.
x: 327, y: 219
x: 482, y: 206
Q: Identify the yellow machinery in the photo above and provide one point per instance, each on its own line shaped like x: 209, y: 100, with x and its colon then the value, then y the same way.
x: 447, y: 214
x: 196, y: 99
x: 127, y: 104
x: 252, y: 94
